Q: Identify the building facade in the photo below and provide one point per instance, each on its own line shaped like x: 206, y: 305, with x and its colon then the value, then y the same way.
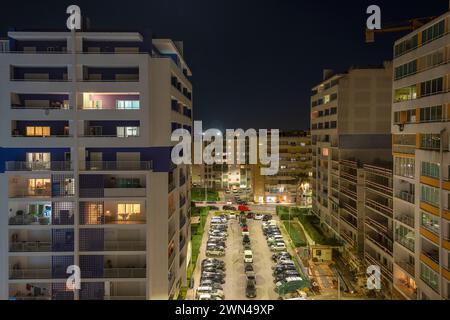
x: 292, y: 182
x: 86, y: 177
x: 420, y: 129
x: 349, y: 128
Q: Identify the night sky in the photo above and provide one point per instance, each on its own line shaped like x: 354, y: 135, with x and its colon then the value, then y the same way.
x: 254, y: 62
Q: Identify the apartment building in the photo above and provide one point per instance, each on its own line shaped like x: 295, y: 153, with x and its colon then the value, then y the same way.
x: 420, y: 129
x: 292, y: 182
x: 378, y: 220
x: 349, y: 128
x: 86, y: 177
x: 222, y: 176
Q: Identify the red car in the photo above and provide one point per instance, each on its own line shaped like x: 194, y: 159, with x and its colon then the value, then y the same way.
x: 243, y: 208
x: 245, y: 228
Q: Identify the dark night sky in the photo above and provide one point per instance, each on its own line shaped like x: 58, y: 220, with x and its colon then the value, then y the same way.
x: 254, y: 62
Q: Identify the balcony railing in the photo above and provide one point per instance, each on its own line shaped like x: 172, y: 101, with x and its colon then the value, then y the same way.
x: 117, y: 165
x: 124, y: 273
x: 182, y: 221
x: 30, y: 246
x: 124, y: 245
x: 406, y: 196
x: 406, y: 219
x: 27, y: 219
x: 407, y: 266
x: 38, y: 166
x: 30, y: 274
x: 25, y: 297
x: 124, y: 298
x: 182, y: 201
x: 379, y: 207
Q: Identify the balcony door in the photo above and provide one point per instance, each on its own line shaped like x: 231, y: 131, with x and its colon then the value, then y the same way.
x: 38, y: 160
x: 128, y: 160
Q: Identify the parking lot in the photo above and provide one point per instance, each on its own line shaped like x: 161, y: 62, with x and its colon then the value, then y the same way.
x: 235, y: 279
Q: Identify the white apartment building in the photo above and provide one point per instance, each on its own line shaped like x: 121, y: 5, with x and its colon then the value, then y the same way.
x: 420, y: 129
x: 86, y: 176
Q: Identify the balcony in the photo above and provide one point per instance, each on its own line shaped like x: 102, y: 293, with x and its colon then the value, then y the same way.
x: 124, y: 245
x: 407, y: 242
x: 124, y: 273
x: 407, y: 266
x: 34, y: 101
x: 39, y: 74
x: 406, y: 219
x: 406, y: 196
x: 30, y: 246
x: 112, y: 192
x: 183, y: 220
x: 106, y: 74
x: 379, y: 207
x: 182, y: 179
x: 182, y: 201
x: 117, y: 165
x: 39, y: 166
x: 34, y: 273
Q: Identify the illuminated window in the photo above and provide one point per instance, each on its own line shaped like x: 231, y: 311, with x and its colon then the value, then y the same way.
x: 38, y: 131
x: 35, y: 184
x: 128, y: 104
x: 325, y: 152
x: 123, y: 132
x: 129, y: 208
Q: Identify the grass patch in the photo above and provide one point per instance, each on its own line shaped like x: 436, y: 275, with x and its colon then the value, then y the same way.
x: 311, y: 225
x: 196, y: 237
x: 296, y: 233
x: 198, y: 194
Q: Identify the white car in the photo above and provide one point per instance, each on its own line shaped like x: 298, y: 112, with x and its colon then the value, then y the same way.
x: 258, y: 216
x: 232, y: 216
x: 209, y: 290
x: 248, y: 256
x: 207, y: 296
x: 245, y: 233
x: 278, y: 246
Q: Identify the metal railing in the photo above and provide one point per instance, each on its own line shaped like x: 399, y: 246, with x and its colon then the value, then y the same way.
x: 117, y: 165
x: 27, y: 219
x: 124, y: 273
x: 38, y: 166
x: 406, y: 196
x: 124, y: 245
x: 30, y: 273
x: 405, y: 242
x: 30, y: 246
x: 406, y: 219
x: 407, y: 266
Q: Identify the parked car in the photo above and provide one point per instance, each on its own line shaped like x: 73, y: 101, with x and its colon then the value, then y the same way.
x: 250, y: 215
x: 207, y: 266
x: 214, y: 270
x: 267, y: 217
x: 213, y: 261
x: 210, y: 283
x: 213, y: 207
x: 209, y: 290
x: 282, y: 269
x: 278, y: 246
x: 245, y: 232
x: 250, y: 290
x: 258, y: 216
x: 281, y: 255
x: 215, y: 252
x: 248, y: 267
x: 207, y: 296
x: 248, y: 256
x: 245, y: 239
x: 285, y: 274
x: 233, y: 216
x: 213, y: 278
x: 247, y: 246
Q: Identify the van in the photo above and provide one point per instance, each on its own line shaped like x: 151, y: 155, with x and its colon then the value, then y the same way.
x: 248, y: 256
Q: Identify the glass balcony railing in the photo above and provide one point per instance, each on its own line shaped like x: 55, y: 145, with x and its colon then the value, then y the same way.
x: 38, y: 166
x: 124, y: 273
x: 117, y: 165
x: 30, y: 246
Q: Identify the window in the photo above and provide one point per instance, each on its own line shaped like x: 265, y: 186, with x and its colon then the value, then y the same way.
x: 326, y: 98
x: 404, y: 94
x: 128, y: 104
x: 38, y: 157
x: 124, y: 132
x: 429, y: 222
x: 404, y: 167
x: 429, y: 276
x: 38, y: 184
x: 129, y: 208
x: 432, y: 59
x: 433, y: 32
x: 406, y: 69
x: 406, y: 45
x: 429, y: 169
x: 38, y: 131
x: 429, y: 114
x: 431, y: 87
x: 430, y: 195
x: 430, y: 141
